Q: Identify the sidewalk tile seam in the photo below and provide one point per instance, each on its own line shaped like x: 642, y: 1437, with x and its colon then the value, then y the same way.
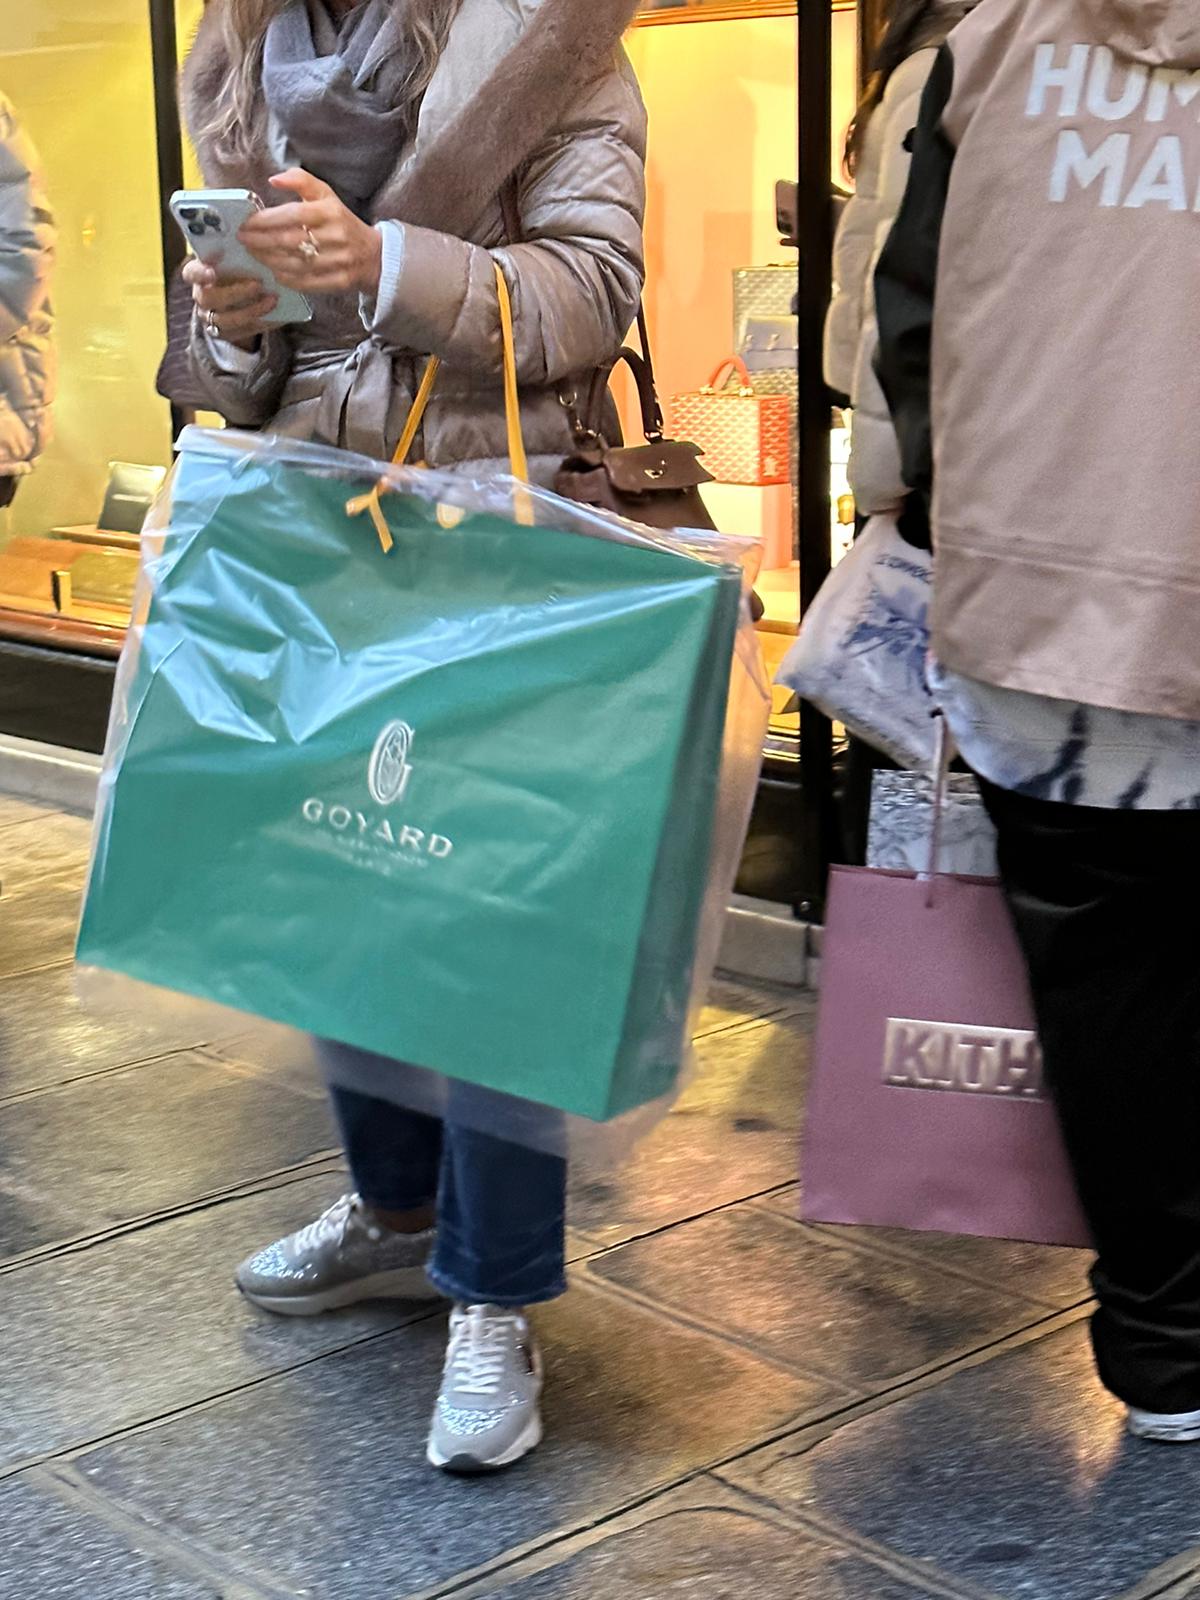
x: 696, y: 1324
x: 709, y: 1493
x: 811, y: 1434
x: 606, y: 1246
x: 518, y: 1555
x: 783, y: 1013
x: 72, y: 1489
x: 864, y: 1240
x: 280, y: 1177
x: 204, y: 1049
x: 74, y: 1452
x: 809, y: 1368
x: 928, y: 1576
x: 861, y: 1239
x: 1166, y: 1580
x: 925, y: 1576
x: 138, y: 1064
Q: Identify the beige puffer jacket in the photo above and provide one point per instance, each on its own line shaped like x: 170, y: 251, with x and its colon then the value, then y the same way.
x: 851, y: 331
x: 349, y: 376
x: 26, y: 327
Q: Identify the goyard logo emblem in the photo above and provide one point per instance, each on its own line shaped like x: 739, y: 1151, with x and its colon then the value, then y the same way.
x: 389, y: 771
x: 359, y: 835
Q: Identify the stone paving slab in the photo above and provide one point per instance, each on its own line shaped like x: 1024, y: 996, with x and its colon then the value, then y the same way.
x: 32, y: 1218
x: 1054, y: 1278
x: 798, y: 1296
x: 38, y: 927
x: 321, y: 1474
x: 146, y: 1323
x: 1047, y: 1276
x: 733, y: 1134
x: 194, y: 1436
x: 701, y: 1542
x: 53, y: 1551
x: 53, y: 847
x: 1014, y: 1475
x: 732, y: 1002
x: 156, y: 1137
x: 52, y: 1031
x: 1188, y: 1589
x: 13, y: 810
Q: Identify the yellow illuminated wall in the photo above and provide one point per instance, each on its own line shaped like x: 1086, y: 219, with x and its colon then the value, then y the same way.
x: 79, y: 76
x: 845, y: 83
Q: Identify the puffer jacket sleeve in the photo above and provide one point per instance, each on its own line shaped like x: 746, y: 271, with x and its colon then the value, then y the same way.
x: 26, y: 229
x: 243, y: 387
x: 576, y: 278
x: 875, y: 476
x: 852, y: 251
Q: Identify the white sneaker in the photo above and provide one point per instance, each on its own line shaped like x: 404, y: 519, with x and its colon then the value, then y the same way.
x: 487, y: 1413
x: 1165, y: 1427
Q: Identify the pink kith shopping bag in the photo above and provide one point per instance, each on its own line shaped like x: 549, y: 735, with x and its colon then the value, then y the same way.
x: 927, y: 1107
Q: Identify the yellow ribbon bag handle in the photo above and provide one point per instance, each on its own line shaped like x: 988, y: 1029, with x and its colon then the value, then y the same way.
x: 518, y: 461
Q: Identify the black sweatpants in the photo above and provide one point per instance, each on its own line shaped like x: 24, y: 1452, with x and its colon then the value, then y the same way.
x: 1106, y: 905
x: 8, y: 489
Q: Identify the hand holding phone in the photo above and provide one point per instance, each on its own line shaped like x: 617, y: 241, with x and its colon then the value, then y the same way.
x: 235, y: 310
x: 238, y: 294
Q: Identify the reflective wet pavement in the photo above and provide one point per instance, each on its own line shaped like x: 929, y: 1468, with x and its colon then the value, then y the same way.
x: 738, y: 1405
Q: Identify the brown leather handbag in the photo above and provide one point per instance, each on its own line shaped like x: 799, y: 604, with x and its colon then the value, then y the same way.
x: 656, y: 483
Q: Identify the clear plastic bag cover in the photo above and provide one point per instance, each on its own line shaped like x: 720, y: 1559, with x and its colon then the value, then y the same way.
x: 733, y: 777
x: 860, y: 655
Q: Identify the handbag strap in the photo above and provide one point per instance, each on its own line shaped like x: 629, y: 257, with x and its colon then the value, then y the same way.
x: 731, y: 367
x: 647, y: 353
x: 517, y: 457
x: 643, y: 376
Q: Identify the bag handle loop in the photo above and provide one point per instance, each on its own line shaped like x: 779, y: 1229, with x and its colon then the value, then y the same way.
x: 732, y: 367
x: 517, y: 457
x: 651, y: 410
x: 941, y: 784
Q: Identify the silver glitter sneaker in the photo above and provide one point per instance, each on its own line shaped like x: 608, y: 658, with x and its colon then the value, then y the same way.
x: 341, y: 1258
x: 487, y: 1414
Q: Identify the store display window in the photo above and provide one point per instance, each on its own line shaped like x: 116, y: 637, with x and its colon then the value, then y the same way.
x: 80, y: 80
x: 722, y: 259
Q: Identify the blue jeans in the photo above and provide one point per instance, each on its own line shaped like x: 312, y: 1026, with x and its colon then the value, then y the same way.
x: 501, y: 1207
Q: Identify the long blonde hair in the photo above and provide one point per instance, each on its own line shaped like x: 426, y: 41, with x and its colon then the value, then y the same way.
x: 230, y: 123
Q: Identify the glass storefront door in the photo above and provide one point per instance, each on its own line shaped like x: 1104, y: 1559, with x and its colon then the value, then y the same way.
x: 80, y: 79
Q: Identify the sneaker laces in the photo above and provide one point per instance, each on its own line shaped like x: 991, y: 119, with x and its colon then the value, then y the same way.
x: 479, y: 1348
x: 330, y: 1227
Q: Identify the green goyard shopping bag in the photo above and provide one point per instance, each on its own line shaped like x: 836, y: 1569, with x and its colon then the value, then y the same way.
x: 453, y: 805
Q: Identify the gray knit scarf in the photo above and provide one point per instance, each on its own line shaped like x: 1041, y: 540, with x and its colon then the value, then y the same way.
x: 335, y: 94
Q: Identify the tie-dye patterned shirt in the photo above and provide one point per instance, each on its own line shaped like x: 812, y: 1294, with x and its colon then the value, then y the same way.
x: 1080, y: 755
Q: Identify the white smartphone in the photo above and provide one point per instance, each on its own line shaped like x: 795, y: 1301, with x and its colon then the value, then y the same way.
x: 210, y: 219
